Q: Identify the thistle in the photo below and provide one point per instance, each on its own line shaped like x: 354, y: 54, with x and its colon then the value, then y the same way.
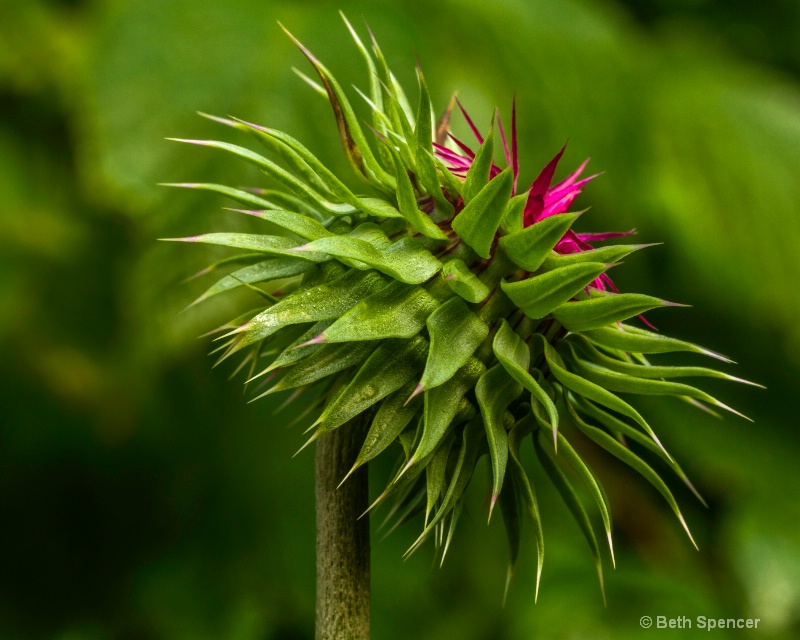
x: 448, y: 309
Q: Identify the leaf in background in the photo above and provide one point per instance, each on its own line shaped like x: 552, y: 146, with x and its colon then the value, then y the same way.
x: 622, y: 429
x: 435, y: 474
x: 510, y: 508
x: 296, y: 164
x: 512, y: 218
x: 566, y: 452
x: 468, y: 454
x: 372, y: 206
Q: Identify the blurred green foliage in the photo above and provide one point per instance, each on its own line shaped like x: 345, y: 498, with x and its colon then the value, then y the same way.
x: 142, y: 498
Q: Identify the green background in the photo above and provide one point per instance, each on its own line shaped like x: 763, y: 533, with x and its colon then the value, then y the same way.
x: 141, y: 497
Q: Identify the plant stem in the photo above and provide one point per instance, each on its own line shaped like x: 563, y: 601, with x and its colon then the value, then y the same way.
x: 343, y: 589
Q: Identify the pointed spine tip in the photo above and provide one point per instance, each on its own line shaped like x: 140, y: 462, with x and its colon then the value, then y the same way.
x: 189, y: 141
x: 509, y: 578
x: 611, y: 550
x: 722, y: 405
x: 686, y: 529
x: 186, y: 239
x: 645, y: 245
x: 249, y: 212
x: 717, y: 356
x: 320, y: 339
x: 662, y: 447
x: 251, y: 125
x: 417, y: 390
x: 308, y: 442
x: 495, y: 496
x: 219, y: 119
x: 349, y: 473
x: 407, y: 466
x: 747, y: 382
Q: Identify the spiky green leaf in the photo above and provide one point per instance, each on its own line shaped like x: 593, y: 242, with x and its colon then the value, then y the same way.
x: 463, y: 282
x: 495, y: 391
x: 390, y: 366
x: 529, y: 247
x: 539, y: 295
x: 478, y: 222
x: 397, y: 311
x: 595, y: 313
x: 455, y: 334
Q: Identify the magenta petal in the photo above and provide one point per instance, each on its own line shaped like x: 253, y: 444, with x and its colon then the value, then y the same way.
x: 560, y: 206
x: 566, y: 245
x: 572, y: 177
x: 647, y: 322
x: 604, y: 277
x: 543, y: 180
x: 574, y: 237
x: 472, y: 126
x: 561, y: 189
x: 505, y: 141
x: 533, y: 209
x: 514, y: 150
x: 462, y: 146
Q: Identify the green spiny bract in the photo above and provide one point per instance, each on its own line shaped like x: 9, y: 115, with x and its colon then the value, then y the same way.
x: 445, y: 310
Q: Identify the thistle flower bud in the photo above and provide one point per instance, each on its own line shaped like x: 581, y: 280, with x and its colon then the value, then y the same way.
x: 457, y: 313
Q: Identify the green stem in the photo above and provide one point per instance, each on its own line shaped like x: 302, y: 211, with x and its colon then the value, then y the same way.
x: 343, y: 552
